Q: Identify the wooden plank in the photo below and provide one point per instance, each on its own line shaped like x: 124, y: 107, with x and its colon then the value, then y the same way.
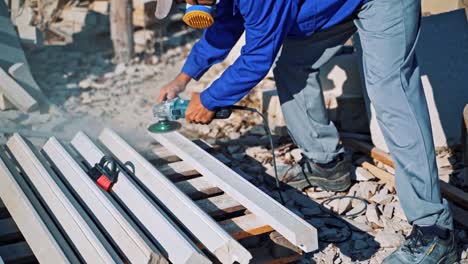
x: 9, y: 231
x: 178, y: 171
x: 18, y: 253
x: 131, y: 244
x: 296, y: 230
x: 159, y: 155
x: 201, y: 225
x: 245, y: 226
x: 36, y: 231
x: 369, y: 149
x: 449, y: 191
x: 16, y: 94
x: 198, y: 188
x: 379, y: 173
x: 454, y: 194
x: 178, y: 246
x: 220, y: 205
x: 80, y: 230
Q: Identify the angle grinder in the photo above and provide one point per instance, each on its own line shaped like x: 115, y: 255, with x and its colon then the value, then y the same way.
x: 169, y: 111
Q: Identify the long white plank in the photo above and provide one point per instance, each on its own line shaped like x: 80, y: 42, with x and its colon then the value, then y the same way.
x: 90, y: 247
x: 16, y: 94
x: 119, y: 229
x: 292, y: 227
x: 34, y: 230
x: 202, y: 226
x: 178, y: 246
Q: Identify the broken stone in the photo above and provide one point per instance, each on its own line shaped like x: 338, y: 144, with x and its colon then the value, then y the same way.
x: 382, y: 198
x: 319, y: 195
x: 360, y: 207
x: 388, y: 240
x: 372, y: 215
x: 367, y: 189
x: 359, y: 226
x: 388, y: 211
x: 398, y: 212
x: 234, y: 135
x: 119, y: 69
x: 296, y: 154
x: 361, y: 174
x: 344, y: 205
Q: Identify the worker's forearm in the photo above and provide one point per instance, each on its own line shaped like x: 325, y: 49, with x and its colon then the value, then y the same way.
x: 183, y: 78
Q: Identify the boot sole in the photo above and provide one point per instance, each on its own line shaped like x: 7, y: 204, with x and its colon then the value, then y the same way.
x: 337, y: 185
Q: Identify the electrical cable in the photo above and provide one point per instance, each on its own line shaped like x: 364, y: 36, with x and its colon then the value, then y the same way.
x: 272, y: 145
x: 325, y: 213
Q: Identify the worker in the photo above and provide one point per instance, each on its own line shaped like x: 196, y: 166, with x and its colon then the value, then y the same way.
x: 297, y: 37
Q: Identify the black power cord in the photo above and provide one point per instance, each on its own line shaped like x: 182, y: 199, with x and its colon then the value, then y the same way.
x: 325, y: 213
x: 272, y: 145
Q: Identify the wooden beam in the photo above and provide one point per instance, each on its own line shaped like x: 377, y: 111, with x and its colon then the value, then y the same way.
x: 16, y: 94
x: 35, y: 231
x: 178, y: 246
x: 204, y: 228
x: 293, y: 228
x: 220, y: 205
x: 245, y: 226
x: 131, y: 244
x: 79, y: 228
x: 122, y: 29
x: 198, y: 188
x: 18, y: 253
x: 178, y: 171
x: 369, y: 149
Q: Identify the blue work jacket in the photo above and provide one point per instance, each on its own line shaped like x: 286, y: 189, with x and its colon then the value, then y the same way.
x: 267, y: 23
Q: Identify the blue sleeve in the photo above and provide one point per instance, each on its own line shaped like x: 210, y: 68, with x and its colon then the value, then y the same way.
x: 266, y: 25
x: 216, y: 42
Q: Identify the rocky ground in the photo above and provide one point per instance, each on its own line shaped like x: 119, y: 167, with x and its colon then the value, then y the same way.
x: 91, y: 92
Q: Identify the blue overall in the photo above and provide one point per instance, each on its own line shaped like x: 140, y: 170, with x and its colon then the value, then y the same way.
x: 299, y: 36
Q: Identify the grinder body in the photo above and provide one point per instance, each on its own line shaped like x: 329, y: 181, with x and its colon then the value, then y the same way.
x: 169, y: 111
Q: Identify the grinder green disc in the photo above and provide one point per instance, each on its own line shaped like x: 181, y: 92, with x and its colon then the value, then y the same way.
x: 164, y: 126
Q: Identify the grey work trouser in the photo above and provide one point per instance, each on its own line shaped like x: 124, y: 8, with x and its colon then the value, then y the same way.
x: 388, y: 31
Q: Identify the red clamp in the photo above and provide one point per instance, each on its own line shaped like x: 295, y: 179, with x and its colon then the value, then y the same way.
x: 105, y: 173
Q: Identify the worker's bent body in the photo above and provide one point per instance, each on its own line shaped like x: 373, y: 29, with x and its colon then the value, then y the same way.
x: 297, y: 37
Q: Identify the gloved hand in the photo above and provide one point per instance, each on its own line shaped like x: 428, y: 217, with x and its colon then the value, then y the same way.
x: 173, y: 88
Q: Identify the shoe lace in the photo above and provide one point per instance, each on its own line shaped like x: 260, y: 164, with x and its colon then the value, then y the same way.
x: 415, y: 242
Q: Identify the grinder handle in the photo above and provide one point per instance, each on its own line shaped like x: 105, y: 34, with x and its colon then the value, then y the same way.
x: 223, y: 113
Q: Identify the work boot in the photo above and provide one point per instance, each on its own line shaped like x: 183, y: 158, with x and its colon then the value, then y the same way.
x: 333, y: 176
x: 426, y: 245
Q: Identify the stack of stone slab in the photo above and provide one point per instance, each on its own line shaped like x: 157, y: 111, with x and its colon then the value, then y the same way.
x: 17, y: 85
x: 145, y: 218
